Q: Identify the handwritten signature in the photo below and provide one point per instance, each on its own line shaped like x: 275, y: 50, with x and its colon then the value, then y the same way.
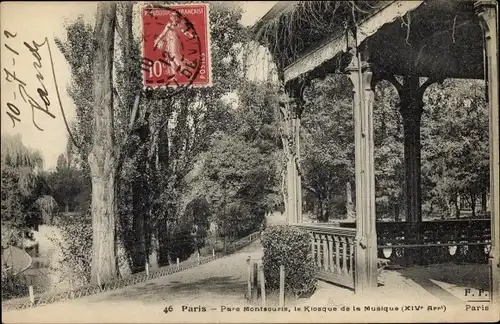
x: 42, y: 103
x: 13, y: 111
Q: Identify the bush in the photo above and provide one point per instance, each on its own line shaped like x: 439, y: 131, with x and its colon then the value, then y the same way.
x: 181, y: 244
x: 13, y: 286
x: 176, y: 242
x: 75, y: 245
x: 289, y: 246
x: 196, y: 216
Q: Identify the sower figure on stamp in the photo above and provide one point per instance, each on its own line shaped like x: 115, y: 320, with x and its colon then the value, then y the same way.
x: 169, y: 42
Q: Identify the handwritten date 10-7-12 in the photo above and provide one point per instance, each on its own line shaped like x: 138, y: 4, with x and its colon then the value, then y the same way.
x: 42, y: 103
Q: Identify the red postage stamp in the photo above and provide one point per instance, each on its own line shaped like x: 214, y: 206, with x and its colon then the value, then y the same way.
x: 176, y: 46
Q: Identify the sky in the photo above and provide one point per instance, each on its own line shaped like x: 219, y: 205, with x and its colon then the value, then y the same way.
x: 28, y: 32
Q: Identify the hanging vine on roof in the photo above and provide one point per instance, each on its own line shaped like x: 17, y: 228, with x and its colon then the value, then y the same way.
x: 307, y: 22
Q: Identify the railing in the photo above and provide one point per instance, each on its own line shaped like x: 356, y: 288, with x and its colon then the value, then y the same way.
x: 333, y: 249
x: 440, y: 241
x: 87, y: 290
x: 244, y: 241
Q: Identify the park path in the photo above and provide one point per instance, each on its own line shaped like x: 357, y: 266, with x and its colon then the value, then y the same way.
x: 219, y: 282
x: 222, y: 283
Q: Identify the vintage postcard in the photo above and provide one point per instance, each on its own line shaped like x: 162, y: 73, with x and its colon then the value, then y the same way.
x: 250, y: 162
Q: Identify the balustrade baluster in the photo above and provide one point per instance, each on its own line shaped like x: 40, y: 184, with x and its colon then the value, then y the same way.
x: 318, y: 251
x: 325, y: 253
x: 344, y: 254
x: 337, y: 253
x: 351, y: 255
x: 330, y: 253
x: 312, y: 245
x: 330, y: 248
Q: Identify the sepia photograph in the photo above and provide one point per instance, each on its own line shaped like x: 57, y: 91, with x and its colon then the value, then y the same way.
x: 250, y: 161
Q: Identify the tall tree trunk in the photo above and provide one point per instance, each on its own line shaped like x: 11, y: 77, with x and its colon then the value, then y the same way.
x: 349, y: 204
x: 456, y: 202
x: 138, y: 212
x: 128, y: 59
x: 141, y: 203
x: 473, y: 200
x: 396, y: 212
x: 141, y: 206
x: 483, y: 202
x: 449, y: 210
x: 139, y: 250
x: 163, y: 242
x: 283, y: 191
x: 102, y: 156
x: 320, y: 210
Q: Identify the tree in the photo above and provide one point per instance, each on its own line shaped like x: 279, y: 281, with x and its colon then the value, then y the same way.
x: 22, y: 186
x: 256, y: 120
x: 78, y: 49
x: 160, y: 138
x: 237, y: 174
x: 197, y: 216
x: 328, y: 140
x: 185, y: 124
x: 48, y: 208
x: 235, y: 179
x: 455, y: 146
x: 388, y: 138
x: 67, y: 184
x: 102, y: 156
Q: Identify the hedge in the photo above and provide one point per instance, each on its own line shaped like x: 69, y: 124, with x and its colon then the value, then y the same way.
x: 289, y: 246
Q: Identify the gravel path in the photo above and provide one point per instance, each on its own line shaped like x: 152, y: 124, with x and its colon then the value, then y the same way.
x: 212, y: 292
x: 220, y: 282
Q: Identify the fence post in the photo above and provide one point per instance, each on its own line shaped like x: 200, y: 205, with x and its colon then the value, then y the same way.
x: 282, y: 286
x: 262, y: 284
x: 29, y: 282
x: 198, y: 257
x: 147, y: 268
x: 178, y: 266
x: 249, y: 279
x: 255, y: 285
x: 32, y: 295
x: 99, y: 281
x: 213, y: 252
x: 72, y: 288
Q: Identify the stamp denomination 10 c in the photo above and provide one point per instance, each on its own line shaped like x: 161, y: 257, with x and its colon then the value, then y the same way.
x: 176, y: 46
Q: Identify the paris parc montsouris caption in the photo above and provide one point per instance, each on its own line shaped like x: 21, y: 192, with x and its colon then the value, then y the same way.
x: 309, y: 309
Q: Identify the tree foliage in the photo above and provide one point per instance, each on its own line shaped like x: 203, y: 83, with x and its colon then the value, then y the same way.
x: 69, y: 186
x: 183, y: 126
x: 233, y: 179
x: 389, y: 157
x: 75, y: 245
x: 22, y: 186
x: 237, y: 175
x: 167, y: 135
x: 454, y: 148
x: 328, y: 153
